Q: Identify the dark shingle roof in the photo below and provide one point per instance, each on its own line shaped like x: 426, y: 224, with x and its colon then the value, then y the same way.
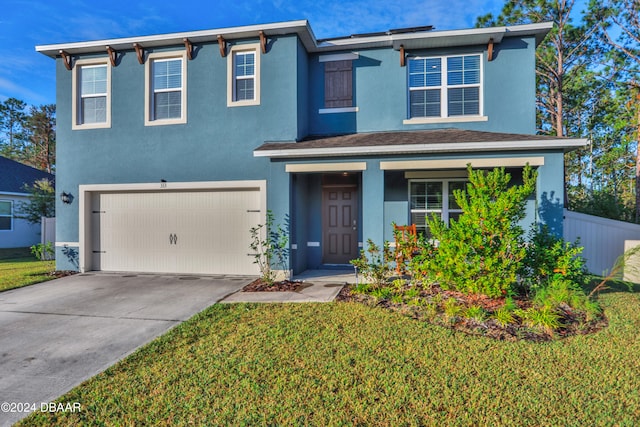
x: 376, y: 139
x: 14, y: 176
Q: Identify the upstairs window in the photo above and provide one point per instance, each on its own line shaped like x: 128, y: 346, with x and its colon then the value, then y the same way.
x: 91, y: 97
x: 166, y: 98
x: 6, y: 215
x: 243, y: 75
x: 447, y: 86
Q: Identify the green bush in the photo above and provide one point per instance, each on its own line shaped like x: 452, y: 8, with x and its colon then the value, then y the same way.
x: 375, y: 264
x: 483, y: 250
x: 43, y: 252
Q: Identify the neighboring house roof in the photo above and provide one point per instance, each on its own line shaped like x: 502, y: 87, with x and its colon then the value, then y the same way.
x: 423, y: 141
x: 14, y: 176
x: 410, y: 38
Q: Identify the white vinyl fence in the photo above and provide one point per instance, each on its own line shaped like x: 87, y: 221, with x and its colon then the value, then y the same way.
x: 603, y: 239
x: 48, y: 231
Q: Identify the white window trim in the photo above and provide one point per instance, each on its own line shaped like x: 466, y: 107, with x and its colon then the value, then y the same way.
x: 444, y: 94
x: 75, y: 94
x: 231, y: 102
x: 149, y: 120
x: 444, y: 210
x: 12, y: 215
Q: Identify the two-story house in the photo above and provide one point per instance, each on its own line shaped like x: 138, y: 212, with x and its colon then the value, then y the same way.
x: 173, y: 146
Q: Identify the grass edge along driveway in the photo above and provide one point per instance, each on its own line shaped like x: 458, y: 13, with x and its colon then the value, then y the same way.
x: 348, y: 364
x: 18, y: 268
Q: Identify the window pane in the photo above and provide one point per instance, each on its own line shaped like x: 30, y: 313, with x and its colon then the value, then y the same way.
x: 425, y: 103
x: 463, y: 70
x: 417, y: 194
x: 244, y: 89
x: 425, y: 72
x: 434, y: 195
x: 455, y: 185
x: 464, y: 101
x: 167, y: 105
x: 245, y: 64
x: 94, y: 110
x: 418, y: 218
x: 93, y: 80
x: 5, y: 223
x: 5, y: 208
x: 167, y: 74
x: 454, y: 215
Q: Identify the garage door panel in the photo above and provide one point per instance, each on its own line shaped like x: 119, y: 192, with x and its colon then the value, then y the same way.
x: 135, y: 231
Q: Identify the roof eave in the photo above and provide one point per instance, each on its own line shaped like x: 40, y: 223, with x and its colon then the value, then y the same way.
x: 301, y: 27
x: 417, y: 40
x: 448, y: 147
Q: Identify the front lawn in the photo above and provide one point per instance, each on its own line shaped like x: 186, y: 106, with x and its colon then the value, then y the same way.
x: 18, y: 267
x: 349, y: 364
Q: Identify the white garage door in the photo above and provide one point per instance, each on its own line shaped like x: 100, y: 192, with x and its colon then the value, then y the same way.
x: 198, y: 232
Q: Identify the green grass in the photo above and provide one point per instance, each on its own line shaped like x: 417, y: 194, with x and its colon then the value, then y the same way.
x: 350, y: 364
x: 18, y: 267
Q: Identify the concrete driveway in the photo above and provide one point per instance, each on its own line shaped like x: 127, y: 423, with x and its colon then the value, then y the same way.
x: 56, y: 334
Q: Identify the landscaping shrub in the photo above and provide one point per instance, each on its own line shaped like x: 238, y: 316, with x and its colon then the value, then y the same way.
x: 375, y: 264
x: 483, y: 250
x: 481, y: 267
x: 269, y: 242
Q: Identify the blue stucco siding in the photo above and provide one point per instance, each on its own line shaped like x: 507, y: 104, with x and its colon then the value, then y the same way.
x: 215, y: 144
x: 380, y: 91
x: 217, y: 141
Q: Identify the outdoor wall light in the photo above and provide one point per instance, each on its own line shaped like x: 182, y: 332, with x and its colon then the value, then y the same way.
x: 66, y: 198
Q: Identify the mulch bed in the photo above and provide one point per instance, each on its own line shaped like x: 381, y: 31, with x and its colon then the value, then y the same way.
x: 283, y: 286
x: 573, y: 322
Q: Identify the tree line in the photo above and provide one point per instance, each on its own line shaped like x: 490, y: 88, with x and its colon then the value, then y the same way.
x: 28, y: 133
x: 588, y: 86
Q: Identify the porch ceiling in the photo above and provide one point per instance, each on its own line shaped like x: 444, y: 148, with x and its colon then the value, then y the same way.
x: 408, y: 142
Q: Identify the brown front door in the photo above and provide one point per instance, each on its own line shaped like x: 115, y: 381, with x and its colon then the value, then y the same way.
x: 339, y: 224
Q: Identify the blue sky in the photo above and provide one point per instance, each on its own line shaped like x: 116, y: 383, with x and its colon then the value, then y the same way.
x: 30, y: 76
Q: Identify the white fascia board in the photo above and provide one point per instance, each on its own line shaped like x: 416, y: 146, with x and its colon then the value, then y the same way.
x: 300, y: 27
x: 10, y: 194
x: 426, y: 148
x: 434, y: 39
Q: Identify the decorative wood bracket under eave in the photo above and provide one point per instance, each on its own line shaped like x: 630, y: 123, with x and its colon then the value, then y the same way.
x: 263, y: 42
x: 402, y: 56
x: 66, y: 59
x: 139, y: 52
x: 113, y: 55
x: 189, y: 48
x: 490, y: 50
x: 222, y: 44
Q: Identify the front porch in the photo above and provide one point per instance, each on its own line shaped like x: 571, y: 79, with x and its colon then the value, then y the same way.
x: 338, y: 192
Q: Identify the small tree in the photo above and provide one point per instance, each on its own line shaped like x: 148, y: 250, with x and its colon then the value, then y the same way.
x: 269, y: 241
x: 483, y: 250
x: 41, y: 201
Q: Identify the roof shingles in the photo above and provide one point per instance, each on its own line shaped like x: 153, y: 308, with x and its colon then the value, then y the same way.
x: 376, y: 139
x: 14, y: 176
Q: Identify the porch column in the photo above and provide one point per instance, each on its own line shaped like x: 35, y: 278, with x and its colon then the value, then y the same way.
x: 550, y: 193
x: 373, y: 204
x: 279, y: 196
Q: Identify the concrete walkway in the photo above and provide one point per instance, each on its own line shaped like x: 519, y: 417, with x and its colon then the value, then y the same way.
x: 317, y: 286
x: 54, y: 335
